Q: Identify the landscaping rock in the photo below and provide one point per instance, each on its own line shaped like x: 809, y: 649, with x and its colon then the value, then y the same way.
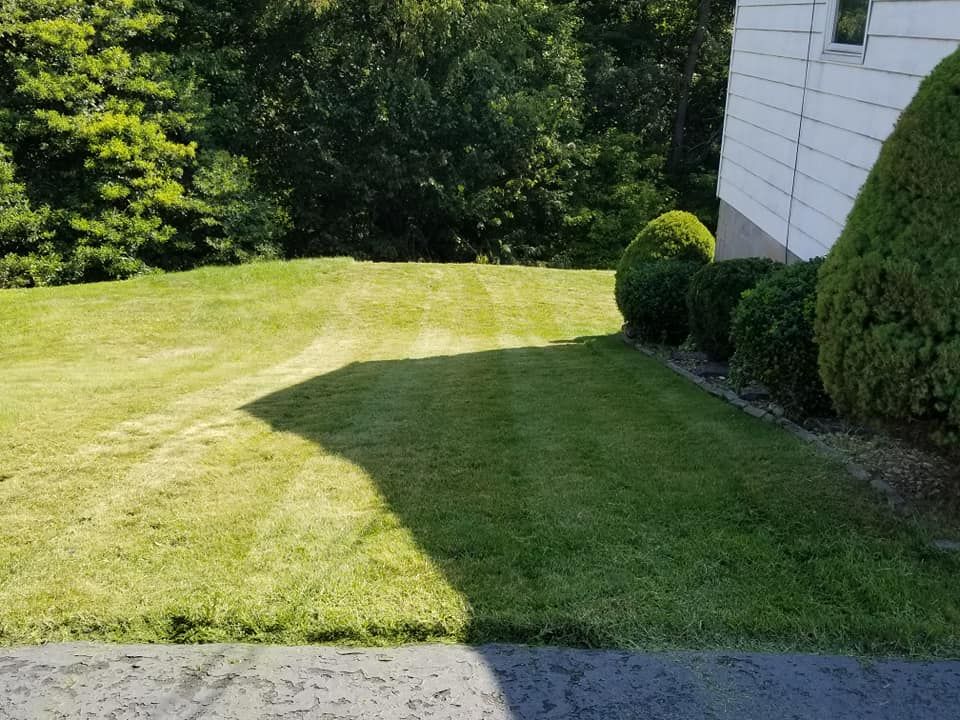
x: 689, y: 356
x: 755, y: 393
x: 800, y: 432
x: 858, y: 471
x: 684, y: 372
x: 930, y: 481
x: 895, y: 468
x: 716, y: 391
x: 731, y: 396
x: 754, y: 411
x: 712, y: 370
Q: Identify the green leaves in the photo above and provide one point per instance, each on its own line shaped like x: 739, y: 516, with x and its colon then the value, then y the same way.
x: 21, y: 226
x: 419, y: 129
x: 888, y: 315
x: 102, y: 128
x: 773, y: 335
x: 87, y: 108
x: 238, y: 222
x: 529, y: 131
x: 714, y: 295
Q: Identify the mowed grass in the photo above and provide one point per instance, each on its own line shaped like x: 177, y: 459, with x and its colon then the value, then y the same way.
x: 335, y: 451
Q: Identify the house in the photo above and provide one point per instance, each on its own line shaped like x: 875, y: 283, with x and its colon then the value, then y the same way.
x: 815, y: 88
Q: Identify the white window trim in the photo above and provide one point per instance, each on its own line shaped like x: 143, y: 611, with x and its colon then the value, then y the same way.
x: 842, y: 51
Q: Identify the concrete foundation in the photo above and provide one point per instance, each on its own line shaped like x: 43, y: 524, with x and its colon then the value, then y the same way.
x: 738, y: 236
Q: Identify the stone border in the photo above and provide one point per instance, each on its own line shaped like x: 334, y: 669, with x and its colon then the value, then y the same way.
x: 893, y: 498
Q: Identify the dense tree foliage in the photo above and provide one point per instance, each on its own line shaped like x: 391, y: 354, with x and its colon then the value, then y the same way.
x: 423, y: 128
x: 643, y: 60
x: 160, y: 134
x: 101, y: 161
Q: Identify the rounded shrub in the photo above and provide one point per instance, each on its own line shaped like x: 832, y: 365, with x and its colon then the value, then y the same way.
x: 654, y: 299
x: 714, y: 294
x: 772, y: 333
x: 888, y: 314
x: 675, y: 235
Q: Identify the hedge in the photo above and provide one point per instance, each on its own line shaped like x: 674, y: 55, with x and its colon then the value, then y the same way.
x: 773, y: 335
x: 654, y: 297
x: 675, y: 235
x: 714, y: 294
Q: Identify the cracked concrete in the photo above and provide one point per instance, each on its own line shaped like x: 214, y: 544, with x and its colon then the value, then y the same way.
x: 494, y: 682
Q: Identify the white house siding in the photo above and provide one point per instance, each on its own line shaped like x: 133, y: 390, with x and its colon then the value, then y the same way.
x: 804, y: 126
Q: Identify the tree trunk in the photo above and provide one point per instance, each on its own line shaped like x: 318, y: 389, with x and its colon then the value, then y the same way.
x: 686, y: 87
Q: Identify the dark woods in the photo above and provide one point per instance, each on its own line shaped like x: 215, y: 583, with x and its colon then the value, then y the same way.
x: 162, y: 134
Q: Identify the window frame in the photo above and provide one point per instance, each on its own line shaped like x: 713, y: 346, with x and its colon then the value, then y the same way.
x: 844, y: 51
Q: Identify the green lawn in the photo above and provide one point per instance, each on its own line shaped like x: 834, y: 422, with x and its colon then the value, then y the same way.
x: 335, y: 451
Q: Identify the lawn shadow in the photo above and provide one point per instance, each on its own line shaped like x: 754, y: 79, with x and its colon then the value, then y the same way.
x: 577, y: 494
x: 515, y: 471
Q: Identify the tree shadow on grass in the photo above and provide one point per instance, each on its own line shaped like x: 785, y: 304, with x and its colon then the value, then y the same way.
x: 577, y: 494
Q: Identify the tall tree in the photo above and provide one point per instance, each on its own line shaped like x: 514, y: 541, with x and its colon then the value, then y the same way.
x: 658, y: 70
x: 686, y: 84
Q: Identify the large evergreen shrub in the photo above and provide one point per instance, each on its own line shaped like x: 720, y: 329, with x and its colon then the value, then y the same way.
x: 888, y: 316
x: 772, y: 333
x: 654, y: 299
x: 714, y: 294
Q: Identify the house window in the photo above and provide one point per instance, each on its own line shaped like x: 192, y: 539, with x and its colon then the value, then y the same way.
x: 848, y: 30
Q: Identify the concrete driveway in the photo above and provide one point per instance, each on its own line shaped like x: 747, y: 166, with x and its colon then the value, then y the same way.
x: 445, y: 681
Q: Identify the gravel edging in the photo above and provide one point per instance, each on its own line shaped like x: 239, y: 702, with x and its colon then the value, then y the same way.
x: 894, y: 500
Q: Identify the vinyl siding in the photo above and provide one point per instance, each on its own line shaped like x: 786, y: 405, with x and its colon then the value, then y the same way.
x: 800, y: 137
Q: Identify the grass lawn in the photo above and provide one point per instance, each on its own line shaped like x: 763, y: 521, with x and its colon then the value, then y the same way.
x: 335, y: 451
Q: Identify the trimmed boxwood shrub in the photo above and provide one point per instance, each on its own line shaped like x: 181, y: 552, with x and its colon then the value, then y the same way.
x: 888, y: 316
x: 654, y: 296
x: 772, y: 333
x: 675, y: 235
x: 714, y: 294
